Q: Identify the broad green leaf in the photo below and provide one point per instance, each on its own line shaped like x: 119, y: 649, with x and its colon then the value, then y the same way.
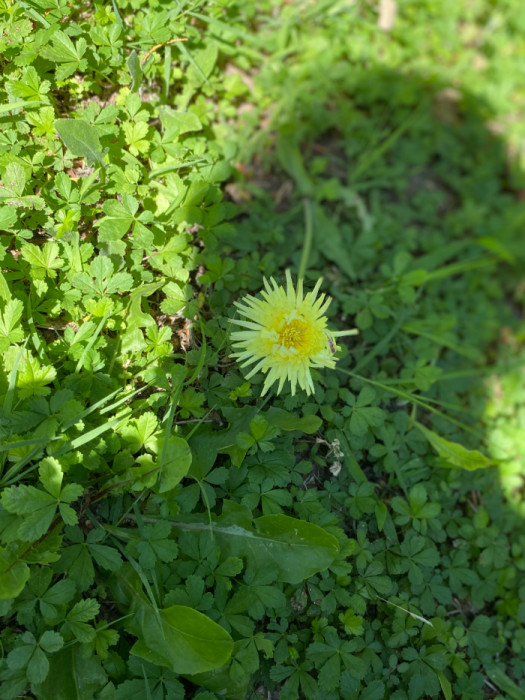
x: 81, y: 139
x: 288, y: 549
x: 454, y: 454
x: 221, y: 682
x: 183, y: 639
x: 14, y: 181
x: 72, y: 676
x: 186, y: 641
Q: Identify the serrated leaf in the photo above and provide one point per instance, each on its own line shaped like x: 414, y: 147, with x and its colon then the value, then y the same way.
x: 105, y: 556
x: 45, y: 259
x: 51, y: 475
x: 25, y: 499
x: 51, y: 641
x: 139, y: 432
x: 119, y: 217
x: 32, y: 377
x: 10, y: 331
x: 13, y: 575
x: 84, y: 610
x: 71, y: 492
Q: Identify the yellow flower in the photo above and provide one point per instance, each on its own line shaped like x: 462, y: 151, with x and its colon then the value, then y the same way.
x: 285, y: 334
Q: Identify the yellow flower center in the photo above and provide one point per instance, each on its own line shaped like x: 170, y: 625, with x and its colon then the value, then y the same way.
x: 291, y: 334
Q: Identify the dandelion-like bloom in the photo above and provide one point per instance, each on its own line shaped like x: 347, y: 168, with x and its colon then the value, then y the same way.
x: 285, y: 334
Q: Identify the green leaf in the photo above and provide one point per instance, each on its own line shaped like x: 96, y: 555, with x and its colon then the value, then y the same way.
x: 106, y: 557
x: 289, y: 421
x: 10, y: 330
x: 119, y: 217
x: 81, y: 139
x: 139, y: 432
x: 291, y: 160
x: 25, y: 499
x: 454, y: 454
x: 51, y: 641
x: 135, y: 70
x: 18, y: 105
x: 38, y: 667
x: 15, y: 180
x: 176, y: 123
x: 84, y: 610
x: 13, y: 575
x: 33, y: 377
x: 65, y: 52
x: 51, y: 475
x: 156, y: 545
x: 186, y: 641
x: 279, y: 546
x: 30, y: 86
x: 72, y: 676
x: 174, y: 461
x: 445, y: 685
x: 353, y: 623
x: 506, y: 684
x: 7, y: 218
x: 44, y: 260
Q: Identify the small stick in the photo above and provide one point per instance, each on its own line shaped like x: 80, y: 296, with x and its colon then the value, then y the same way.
x: 158, y: 46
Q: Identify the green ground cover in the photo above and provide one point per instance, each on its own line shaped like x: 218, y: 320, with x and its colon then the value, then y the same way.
x: 165, y: 533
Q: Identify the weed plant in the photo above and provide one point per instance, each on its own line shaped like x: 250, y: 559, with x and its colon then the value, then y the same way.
x: 165, y: 532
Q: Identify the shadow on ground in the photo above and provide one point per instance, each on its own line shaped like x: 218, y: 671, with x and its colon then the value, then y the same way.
x: 417, y: 221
